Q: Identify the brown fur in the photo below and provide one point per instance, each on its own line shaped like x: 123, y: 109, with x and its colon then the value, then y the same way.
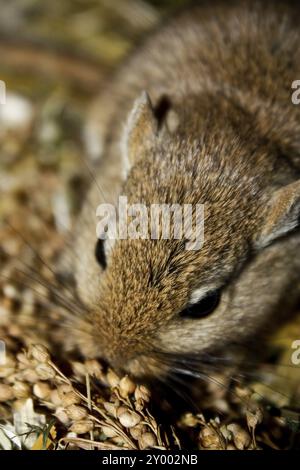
x: 220, y: 129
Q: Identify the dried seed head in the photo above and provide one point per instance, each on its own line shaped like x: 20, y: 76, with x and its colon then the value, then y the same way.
x: 254, y: 418
x: 30, y: 375
x: 55, y: 398
x: 70, y: 399
x: 79, y: 369
x: 45, y: 372
x: 94, y: 369
x: 118, y: 440
x: 126, y: 386
x: 62, y: 416
x: 120, y: 410
x: 39, y: 353
x: 225, y: 432
x: 139, y: 405
x: 129, y: 419
x: 82, y: 426
x: 147, y: 440
x: 41, y: 390
x: 209, y: 438
x: 109, y: 431
x: 112, y: 379
x: 230, y: 447
x: 137, y: 431
x: 189, y: 420
x: 76, y: 413
x: 21, y: 390
x: 111, y: 408
x: 24, y: 360
x: 240, y: 436
x: 6, y: 371
x: 142, y: 393
x: 6, y: 393
x: 63, y: 389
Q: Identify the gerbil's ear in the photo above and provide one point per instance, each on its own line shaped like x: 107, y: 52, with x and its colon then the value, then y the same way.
x: 140, y: 131
x: 281, y: 215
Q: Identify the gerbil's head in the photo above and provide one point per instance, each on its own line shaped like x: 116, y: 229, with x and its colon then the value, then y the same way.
x: 150, y: 300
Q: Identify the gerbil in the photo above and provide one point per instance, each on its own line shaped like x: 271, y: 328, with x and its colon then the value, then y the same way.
x: 215, y: 126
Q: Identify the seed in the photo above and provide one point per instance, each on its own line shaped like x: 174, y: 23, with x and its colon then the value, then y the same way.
x: 225, y: 432
x: 76, y: 413
x: 120, y: 410
x: 147, y: 440
x: 41, y: 390
x: 82, y: 426
x: 230, y: 447
x: 23, y: 359
x: 94, y: 369
x: 139, y: 405
x: 241, y: 437
x: 112, y: 379
x: 126, y: 386
x: 21, y: 390
x: 79, y: 369
x: 143, y: 393
x: 61, y: 414
x: 109, y: 432
x: 110, y: 408
x: 118, y: 440
x: 209, y: 438
x: 30, y: 375
x: 45, y: 372
x: 64, y: 389
x: 40, y: 353
x: 254, y: 418
x: 137, y: 431
x: 6, y: 393
x: 6, y: 371
x: 70, y: 399
x: 189, y: 420
x: 129, y: 419
x: 55, y: 398
x: 241, y: 392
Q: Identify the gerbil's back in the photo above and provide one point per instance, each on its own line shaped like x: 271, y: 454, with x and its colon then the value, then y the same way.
x: 244, y: 50
x: 226, y: 72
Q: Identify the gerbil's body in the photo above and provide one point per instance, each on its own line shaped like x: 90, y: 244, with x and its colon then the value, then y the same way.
x: 221, y: 130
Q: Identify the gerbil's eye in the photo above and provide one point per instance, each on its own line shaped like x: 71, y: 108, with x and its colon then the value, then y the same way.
x: 100, y: 253
x: 204, y: 307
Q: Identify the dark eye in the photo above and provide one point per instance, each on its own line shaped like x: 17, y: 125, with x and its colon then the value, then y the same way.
x: 100, y: 253
x: 204, y: 307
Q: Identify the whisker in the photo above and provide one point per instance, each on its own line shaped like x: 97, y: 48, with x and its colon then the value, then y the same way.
x: 92, y: 176
x: 176, y: 365
x: 55, y: 284
x: 64, y: 301
x: 39, y: 294
x: 66, y: 287
x: 39, y: 257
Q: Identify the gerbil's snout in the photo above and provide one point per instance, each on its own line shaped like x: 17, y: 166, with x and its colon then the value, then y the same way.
x: 127, y: 351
